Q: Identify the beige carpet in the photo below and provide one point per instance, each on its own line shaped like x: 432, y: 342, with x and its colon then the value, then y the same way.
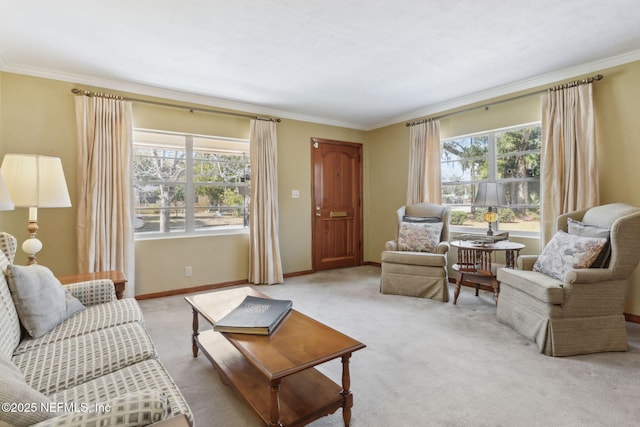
x: 426, y: 363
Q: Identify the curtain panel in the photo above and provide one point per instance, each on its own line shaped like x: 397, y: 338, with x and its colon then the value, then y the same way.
x: 265, y: 265
x: 569, y: 173
x: 424, y: 181
x: 105, y: 195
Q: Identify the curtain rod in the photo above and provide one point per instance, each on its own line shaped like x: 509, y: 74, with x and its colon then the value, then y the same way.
x: 486, y: 106
x: 89, y: 93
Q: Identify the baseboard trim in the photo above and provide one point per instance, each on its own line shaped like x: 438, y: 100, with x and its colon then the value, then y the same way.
x: 191, y: 290
x: 298, y: 273
x: 209, y: 287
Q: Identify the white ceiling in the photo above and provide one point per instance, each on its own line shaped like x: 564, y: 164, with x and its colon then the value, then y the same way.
x: 355, y: 63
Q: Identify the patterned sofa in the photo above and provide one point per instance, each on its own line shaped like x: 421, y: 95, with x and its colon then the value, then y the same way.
x: 97, y: 367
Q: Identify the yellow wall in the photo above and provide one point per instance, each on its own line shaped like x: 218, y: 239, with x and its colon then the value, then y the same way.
x: 617, y: 106
x: 37, y: 115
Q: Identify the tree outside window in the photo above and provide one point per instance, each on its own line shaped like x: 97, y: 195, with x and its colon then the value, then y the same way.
x: 189, y: 183
x: 509, y: 156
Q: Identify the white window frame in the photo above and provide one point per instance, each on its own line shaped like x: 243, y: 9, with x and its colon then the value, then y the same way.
x: 492, y: 159
x: 189, y: 184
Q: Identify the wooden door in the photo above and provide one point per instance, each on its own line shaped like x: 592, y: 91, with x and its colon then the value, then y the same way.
x: 337, y: 203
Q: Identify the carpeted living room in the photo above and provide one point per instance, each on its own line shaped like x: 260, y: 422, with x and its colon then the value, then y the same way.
x: 426, y: 363
x: 443, y: 191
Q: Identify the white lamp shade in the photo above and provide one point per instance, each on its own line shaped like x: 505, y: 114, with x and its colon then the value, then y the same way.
x: 6, y: 204
x: 35, y: 181
x: 490, y: 194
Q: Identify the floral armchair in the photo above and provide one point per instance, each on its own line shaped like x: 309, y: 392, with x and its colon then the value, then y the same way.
x: 570, y: 299
x: 415, y: 263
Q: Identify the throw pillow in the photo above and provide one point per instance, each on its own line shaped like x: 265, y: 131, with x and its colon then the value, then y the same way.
x: 419, y: 236
x: 566, y: 251
x: 135, y: 409
x: 40, y: 299
x: 30, y: 404
x: 408, y: 218
x: 585, y: 230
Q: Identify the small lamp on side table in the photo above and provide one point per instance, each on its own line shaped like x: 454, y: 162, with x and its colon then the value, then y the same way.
x: 490, y: 195
x: 34, y: 182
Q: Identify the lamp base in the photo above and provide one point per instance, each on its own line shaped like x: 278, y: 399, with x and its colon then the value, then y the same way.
x: 31, y: 247
x: 490, y: 216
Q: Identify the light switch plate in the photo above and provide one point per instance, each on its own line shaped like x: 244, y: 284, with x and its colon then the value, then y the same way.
x: 295, y: 194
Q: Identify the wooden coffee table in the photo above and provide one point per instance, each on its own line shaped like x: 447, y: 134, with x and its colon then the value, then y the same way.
x: 275, y: 374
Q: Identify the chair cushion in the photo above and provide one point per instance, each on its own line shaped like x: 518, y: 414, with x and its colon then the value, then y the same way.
x: 93, y: 318
x: 41, y: 301
x: 567, y: 251
x: 431, y: 219
x: 538, y: 285
x: 419, y: 236
x: 585, y: 230
x: 14, y: 390
x: 414, y: 258
x: 85, y: 357
x: 136, y: 409
x: 149, y: 374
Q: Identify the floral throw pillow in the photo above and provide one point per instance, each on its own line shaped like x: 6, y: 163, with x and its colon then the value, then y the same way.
x: 566, y: 251
x: 419, y: 236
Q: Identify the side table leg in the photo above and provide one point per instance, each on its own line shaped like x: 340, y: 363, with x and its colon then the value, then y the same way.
x: 496, y: 288
x: 457, y: 290
x: 194, y: 335
x: 346, y: 393
x: 275, y: 403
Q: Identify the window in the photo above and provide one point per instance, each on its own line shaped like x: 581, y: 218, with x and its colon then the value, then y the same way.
x: 189, y: 184
x: 510, y: 156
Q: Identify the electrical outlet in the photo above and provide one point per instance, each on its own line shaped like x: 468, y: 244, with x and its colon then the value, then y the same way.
x: 188, y: 271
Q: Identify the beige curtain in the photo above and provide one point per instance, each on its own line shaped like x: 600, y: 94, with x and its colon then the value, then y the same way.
x: 265, y: 266
x: 569, y: 174
x: 424, y: 163
x: 105, y: 230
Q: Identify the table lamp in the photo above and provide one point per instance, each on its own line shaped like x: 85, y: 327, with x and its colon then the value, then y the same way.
x: 34, y: 182
x: 490, y: 195
x: 6, y: 204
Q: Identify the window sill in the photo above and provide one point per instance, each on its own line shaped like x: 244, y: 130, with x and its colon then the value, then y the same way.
x: 183, y: 235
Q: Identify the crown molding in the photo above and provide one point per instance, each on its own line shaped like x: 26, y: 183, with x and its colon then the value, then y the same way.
x: 522, y: 85
x: 173, y: 95
x: 169, y: 94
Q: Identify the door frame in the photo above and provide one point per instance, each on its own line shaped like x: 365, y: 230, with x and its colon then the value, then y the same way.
x: 359, y: 210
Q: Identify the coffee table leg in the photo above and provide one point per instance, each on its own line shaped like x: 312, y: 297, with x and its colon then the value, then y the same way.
x: 194, y: 335
x: 346, y: 393
x: 275, y: 403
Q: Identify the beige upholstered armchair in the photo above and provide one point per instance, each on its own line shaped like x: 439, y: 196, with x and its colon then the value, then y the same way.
x: 415, y: 264
x: 580, y: 310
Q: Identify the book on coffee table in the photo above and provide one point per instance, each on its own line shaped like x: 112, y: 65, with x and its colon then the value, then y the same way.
x: 254, y: 315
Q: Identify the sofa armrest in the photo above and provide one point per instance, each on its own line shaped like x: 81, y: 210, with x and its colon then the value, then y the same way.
x: 93, y: 292
x: 443, y: 248
x: 391, y: 245
x: 139, y: 408
x: 525, y: 262
x: 587, y: 275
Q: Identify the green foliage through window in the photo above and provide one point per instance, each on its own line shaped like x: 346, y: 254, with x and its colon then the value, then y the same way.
x: 189, y: 183
x: 509, y: 156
